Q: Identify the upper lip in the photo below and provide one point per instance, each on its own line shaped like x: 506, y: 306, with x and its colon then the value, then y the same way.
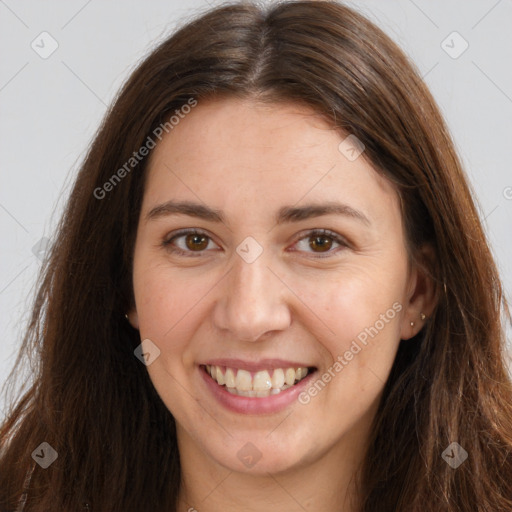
x: 254, y: 366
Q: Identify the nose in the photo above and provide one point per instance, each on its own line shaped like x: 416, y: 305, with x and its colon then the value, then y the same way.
x: 253, y: 301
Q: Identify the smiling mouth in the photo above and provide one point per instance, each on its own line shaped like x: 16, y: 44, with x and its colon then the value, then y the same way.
x: 259, y: 384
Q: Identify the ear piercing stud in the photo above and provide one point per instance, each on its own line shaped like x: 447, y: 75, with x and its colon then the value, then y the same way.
x: 422, y: 316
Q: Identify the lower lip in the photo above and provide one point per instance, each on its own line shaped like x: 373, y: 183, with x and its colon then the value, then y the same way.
x: 254, y: 405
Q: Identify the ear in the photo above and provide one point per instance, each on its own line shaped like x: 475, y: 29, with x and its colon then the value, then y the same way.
x: 133, y: 318
x: 421, y: 294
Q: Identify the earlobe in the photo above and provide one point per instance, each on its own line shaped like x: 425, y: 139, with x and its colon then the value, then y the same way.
x: 133, y: 318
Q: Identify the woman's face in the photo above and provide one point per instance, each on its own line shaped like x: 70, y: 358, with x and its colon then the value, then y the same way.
x: 252, y: 289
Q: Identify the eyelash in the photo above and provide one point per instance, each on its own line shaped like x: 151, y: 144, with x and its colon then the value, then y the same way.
x: 167, y: 243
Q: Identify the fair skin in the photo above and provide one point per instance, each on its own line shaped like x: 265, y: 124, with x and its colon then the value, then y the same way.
x: 295, y: 302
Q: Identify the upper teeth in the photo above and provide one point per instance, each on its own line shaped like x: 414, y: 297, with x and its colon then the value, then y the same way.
x: 242, y: 380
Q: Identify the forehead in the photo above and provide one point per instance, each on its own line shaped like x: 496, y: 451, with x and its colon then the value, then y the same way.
x: 251, y: 157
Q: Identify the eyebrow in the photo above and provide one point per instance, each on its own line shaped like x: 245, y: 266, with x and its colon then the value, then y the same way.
x: 286, y: 214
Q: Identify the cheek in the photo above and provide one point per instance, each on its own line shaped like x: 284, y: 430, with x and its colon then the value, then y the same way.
x: 166, y: 303
x: 365, y: 322
x: 168, y: 306
x: 358, y: 320
x: 353, y: 298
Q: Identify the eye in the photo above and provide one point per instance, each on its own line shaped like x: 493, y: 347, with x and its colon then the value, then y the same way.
x: 186, y: 242
x: 191, y: 241
x: 321, y: 241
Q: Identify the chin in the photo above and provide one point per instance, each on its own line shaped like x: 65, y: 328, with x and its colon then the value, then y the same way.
x: 257, y: 455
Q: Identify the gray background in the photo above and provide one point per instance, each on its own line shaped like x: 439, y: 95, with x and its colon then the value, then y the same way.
x: 50, y: 108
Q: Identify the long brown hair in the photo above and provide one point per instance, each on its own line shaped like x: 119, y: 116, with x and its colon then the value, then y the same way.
x: 93, y: 401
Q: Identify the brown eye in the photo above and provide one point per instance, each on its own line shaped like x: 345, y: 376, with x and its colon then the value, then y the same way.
x: 322, y: 243
x: 196, y: 242
x: 189, y: 242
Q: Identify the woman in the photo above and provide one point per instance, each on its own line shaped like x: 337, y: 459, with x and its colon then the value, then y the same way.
x: 270, y: 290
